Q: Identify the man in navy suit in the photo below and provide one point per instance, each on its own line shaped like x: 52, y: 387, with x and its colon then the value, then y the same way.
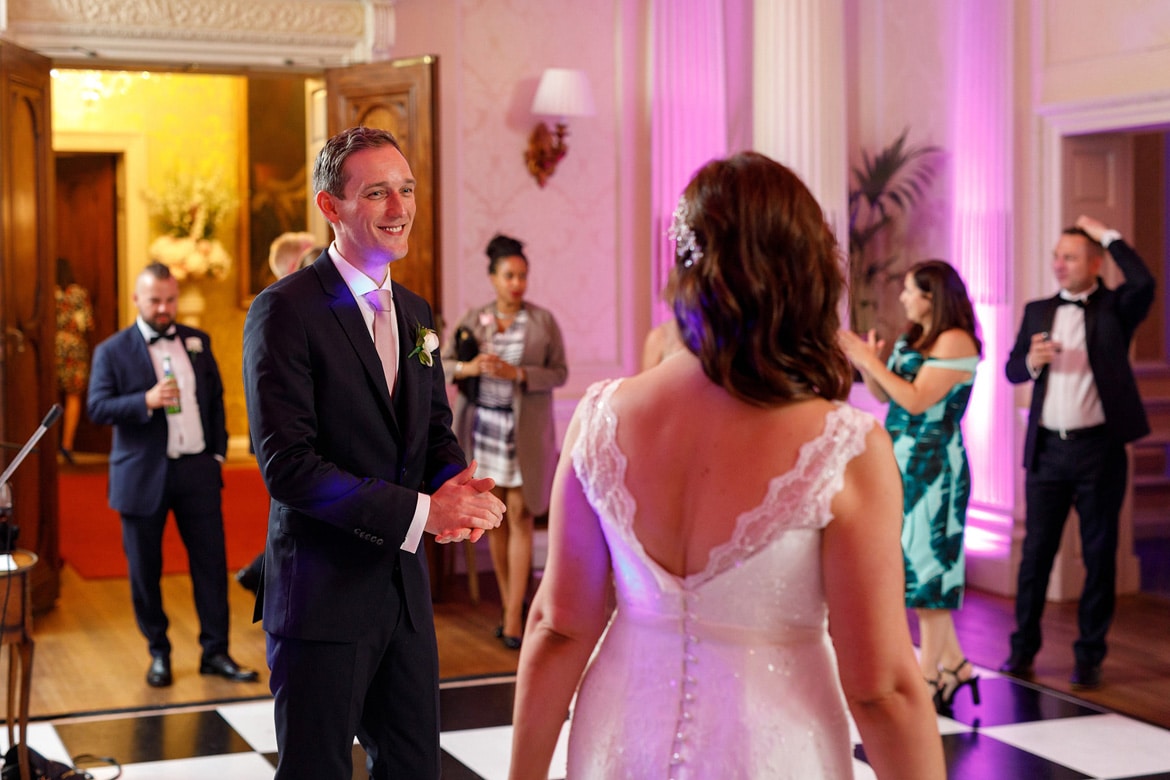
x: 1085, y: 409
x: 359, y: 458
x: 165, y: 460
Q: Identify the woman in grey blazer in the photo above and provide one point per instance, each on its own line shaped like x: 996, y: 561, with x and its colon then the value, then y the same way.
x: 504, y: 417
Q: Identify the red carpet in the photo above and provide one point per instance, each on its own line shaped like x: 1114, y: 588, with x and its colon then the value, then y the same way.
x: 91, y: 533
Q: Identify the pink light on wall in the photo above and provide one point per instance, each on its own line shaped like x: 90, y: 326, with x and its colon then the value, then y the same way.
x: 688, y: 114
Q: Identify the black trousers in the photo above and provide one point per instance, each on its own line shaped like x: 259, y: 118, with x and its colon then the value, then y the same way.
x: 383, y: 689
x: 193, y: 491
x: 1090, y: 474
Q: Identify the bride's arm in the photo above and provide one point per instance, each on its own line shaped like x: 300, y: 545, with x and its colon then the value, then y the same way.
x: 864, y: 587
x: 568, y: 615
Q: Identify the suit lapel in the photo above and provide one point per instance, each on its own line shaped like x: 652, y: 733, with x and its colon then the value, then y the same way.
x: 141, y: 352
x: 410, y: 368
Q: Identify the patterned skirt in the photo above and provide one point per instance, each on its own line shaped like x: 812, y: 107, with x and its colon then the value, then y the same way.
x: 494, y: 449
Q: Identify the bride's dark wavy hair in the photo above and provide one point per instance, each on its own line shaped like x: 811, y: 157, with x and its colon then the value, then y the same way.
x: 758, y: 305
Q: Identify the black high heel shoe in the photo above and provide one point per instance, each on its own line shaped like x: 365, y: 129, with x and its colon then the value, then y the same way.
x: 947, y: 690
x: 935, y: 687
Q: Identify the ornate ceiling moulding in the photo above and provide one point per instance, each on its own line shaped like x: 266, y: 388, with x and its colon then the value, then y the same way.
x: 305, y: 34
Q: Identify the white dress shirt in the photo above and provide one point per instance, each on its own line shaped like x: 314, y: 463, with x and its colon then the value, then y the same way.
x: 184, y: 428
x: 1072, y: 400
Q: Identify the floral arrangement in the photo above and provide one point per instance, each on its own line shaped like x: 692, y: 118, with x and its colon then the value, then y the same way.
x: 187, y: 212
x: 191, y: 258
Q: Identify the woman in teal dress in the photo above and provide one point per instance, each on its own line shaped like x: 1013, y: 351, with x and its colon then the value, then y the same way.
x: 927, y: 383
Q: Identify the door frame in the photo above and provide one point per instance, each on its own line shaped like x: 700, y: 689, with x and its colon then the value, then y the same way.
x: 1057, y: 122
x: 133, y: 223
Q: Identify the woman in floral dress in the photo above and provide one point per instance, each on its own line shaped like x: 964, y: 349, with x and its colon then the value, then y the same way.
x: 74, y: 322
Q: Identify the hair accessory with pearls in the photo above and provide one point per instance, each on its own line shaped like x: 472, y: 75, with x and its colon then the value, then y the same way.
x: 686, y: 248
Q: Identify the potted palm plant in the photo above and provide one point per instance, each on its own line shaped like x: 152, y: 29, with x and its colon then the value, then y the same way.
x: 886, y: 186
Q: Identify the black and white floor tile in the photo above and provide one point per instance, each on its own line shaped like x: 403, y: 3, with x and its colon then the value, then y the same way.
x: 1018, y: 731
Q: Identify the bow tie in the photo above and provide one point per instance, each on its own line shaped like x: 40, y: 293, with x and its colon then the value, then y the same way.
x: 1072, y: 302
x: 169, y: 335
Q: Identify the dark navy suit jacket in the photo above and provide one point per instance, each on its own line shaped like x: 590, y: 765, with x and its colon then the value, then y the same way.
x: 122, y: 373
x: 343, y: 462
x: 1111, y: 317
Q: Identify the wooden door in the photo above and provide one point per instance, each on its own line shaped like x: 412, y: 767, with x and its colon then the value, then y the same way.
x: 1098, y: 177
x: 27, y: 311
x: 398, y: 96
x: 87, y: 236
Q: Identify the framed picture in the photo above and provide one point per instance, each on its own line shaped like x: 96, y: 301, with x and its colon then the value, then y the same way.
x: 277, y: 174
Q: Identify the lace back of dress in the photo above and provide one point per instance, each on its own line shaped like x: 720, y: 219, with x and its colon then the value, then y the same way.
x: 801, y: 497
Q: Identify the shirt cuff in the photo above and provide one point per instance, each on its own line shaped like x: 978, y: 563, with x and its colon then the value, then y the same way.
x: 1109, y: 236
x: 415, y: 532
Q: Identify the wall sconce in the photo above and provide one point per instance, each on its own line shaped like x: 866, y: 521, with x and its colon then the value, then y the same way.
x: 562, y: 93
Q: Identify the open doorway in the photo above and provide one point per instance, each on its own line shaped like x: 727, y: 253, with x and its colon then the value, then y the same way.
x: 87, y: 238
x: 1120, y: 177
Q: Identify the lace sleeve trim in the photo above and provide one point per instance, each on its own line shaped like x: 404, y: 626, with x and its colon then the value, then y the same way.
x: 598, y: 463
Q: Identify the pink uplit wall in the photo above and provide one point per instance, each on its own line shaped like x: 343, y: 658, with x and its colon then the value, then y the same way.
x: 491, y: 54
x: 995, y: 83
x: 688, y: 113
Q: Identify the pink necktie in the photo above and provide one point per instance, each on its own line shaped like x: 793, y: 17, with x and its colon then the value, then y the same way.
x: 383, y: 304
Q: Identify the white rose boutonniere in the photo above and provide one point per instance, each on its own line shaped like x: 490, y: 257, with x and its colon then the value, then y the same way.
x: 194, y: 345
x: 425, y: 343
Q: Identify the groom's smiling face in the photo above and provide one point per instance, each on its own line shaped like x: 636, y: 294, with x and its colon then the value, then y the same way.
x: 372, y: 222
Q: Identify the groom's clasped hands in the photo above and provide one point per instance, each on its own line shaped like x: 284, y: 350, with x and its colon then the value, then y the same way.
x: 464, y: 507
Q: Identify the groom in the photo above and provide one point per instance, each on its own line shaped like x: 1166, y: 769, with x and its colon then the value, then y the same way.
x: 349, y: 417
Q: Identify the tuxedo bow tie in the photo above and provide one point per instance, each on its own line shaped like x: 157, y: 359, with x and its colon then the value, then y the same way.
x: 169, y: 335
x: 1072, y: 302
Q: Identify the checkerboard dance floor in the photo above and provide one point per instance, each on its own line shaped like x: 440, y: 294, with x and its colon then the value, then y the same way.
x: 1019, y: 731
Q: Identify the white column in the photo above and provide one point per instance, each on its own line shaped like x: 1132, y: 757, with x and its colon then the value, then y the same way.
x: 980, y: 154
x: 688, y: 113
x: 799, y: 97
x: 381, y: 29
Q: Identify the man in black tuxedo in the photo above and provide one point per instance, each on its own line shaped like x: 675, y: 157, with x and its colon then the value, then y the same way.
x: 167, y: 462
x: 353, y: 435
x: 1085, y: 408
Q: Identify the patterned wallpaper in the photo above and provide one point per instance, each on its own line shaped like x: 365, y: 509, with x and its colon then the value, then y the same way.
x: 491, y: 55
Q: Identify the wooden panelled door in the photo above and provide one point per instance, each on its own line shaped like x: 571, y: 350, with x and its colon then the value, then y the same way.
x: 398, y: 96
x: 27, y: 308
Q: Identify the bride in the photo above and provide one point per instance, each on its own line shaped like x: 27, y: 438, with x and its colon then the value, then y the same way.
x: 748, y: 521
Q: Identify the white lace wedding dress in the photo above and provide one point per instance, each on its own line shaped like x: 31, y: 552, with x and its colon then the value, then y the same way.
x: 727, y: 673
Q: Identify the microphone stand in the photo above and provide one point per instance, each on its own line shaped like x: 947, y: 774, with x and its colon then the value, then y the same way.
x: 7, y: 531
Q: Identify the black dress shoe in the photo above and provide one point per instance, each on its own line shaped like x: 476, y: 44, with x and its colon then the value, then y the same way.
x: 159, y: 673
x: 222, y: 665
x: 1018, y: 665
x: 1085, y: 677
